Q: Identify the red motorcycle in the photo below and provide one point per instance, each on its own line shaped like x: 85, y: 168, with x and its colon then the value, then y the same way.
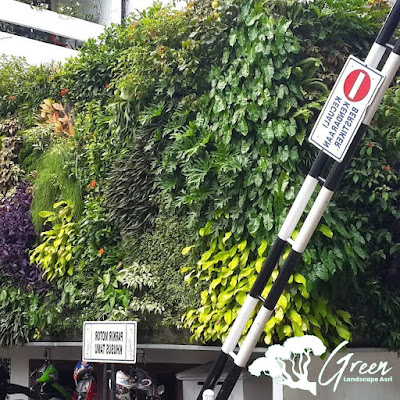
x: 85, y: 381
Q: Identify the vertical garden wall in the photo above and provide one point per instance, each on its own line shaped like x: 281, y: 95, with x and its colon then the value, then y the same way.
x: 147, y: 178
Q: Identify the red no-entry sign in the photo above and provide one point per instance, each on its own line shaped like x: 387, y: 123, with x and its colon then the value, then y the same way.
x: 357, y: 85
x: 345, y: 108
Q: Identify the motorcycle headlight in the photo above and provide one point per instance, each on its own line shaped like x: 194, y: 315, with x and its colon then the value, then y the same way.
x: 146, y: 382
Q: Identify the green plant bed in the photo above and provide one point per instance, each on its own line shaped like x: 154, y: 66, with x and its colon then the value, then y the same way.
x: 161, y: 249
x: 53, y: 182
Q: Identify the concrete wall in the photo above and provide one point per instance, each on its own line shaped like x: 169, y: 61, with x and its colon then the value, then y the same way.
x: 256, y: 388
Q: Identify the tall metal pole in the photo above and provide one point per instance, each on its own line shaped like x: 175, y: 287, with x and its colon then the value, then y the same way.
x: 105, y: 381
x: 329, y: 186
x: 113, y: 381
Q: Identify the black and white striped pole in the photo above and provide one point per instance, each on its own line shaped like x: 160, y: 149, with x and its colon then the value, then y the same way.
x: 389, y: 70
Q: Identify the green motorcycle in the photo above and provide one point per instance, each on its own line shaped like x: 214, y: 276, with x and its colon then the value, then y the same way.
x: 47, y: 386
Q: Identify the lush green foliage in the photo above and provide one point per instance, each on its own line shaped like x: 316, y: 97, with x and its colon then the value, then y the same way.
x: 238, y: 166
x: 232, y: 267
x: 23, y: 88
x: 23, y: 314
x: 89, y: 77
x: 54, y: 182
x: 54, y: 255
x: 10, y: 171
x: 161, y: 250
x: 131, y: 192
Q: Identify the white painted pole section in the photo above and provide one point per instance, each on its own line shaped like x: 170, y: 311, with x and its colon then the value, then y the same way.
x: 298, y: 207
x: 208, y: 395
x: 239, y: 324
x: 277, y: 391
x: 375, y: 55
x: 389, y: 71
x: 312, y: 220
x: 246, y: 349
x: 116, y: 12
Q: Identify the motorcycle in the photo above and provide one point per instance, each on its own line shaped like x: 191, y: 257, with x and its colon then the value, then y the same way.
x: 85, y: 381
x: 138, y: 385
x: 46, y: 386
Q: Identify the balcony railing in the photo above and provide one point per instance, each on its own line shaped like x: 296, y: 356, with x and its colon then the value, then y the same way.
x: 57, y: 25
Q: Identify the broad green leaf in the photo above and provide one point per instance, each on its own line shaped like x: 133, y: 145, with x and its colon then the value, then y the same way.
x: 234, y: 263
x: 295, y: 317
x: 187, y: 249
x: 344, y: 315
x: 228, y: 317
x: 270, y: 324
x: 299, y: 278
x: 242, y: 245
x: 343, y: 332
x: 259, y: 263
x: 279, y: 314
x: 227, y: 236
x: 331, y: 319
x: 326, y: 230
x: 313, y: 320
x: 262, y: 248
x: 282, y: 301
x: 205, y: 256
x: 287, y: 330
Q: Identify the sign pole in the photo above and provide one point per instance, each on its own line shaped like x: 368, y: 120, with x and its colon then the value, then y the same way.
x: 284, y: 236
x: 105, y: 381
x: 113, y: 381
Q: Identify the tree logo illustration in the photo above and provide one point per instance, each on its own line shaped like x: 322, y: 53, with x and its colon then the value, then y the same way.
x: 288, y: 364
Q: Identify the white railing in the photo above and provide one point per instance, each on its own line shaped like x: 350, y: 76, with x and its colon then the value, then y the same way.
x: 34, y: 51
x: 22, y: 14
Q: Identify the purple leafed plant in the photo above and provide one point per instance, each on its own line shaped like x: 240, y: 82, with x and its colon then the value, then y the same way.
x: 17, y: 236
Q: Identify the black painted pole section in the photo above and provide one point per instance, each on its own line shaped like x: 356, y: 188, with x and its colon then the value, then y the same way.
x: 390, y: 25
x: 105, y: 381
x: 268, y: 267
x: 214, y: 374
x: 230, y: 382
x: 113, y: 381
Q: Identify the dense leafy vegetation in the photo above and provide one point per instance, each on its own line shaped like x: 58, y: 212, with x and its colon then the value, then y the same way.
x: 163, y: 160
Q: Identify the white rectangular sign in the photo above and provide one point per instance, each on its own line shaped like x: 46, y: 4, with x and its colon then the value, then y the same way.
x: 109, y: 342
x: 345, y: 108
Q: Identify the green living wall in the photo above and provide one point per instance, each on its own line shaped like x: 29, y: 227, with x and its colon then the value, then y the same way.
x: 147, y: 178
